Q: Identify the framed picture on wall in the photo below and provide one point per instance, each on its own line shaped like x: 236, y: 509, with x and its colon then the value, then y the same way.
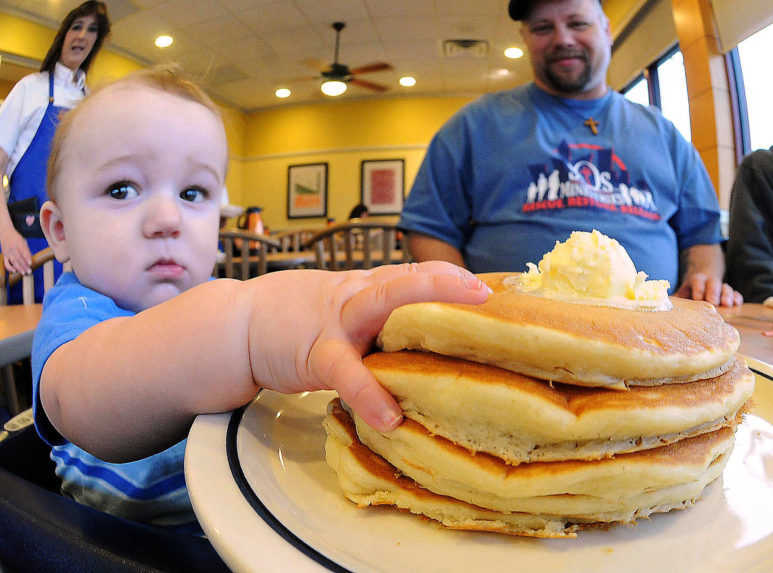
x: 382, y: 185
x: 307, y: 190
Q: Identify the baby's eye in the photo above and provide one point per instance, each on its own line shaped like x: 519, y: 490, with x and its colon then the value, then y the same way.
x: 122, y: 190
x: 194, y: 194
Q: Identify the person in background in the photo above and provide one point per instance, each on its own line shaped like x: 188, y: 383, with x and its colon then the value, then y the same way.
x: 359, y: 211
x: 28, y: 118
x: 750, y: 246
x: 516, y: 171
x: 136, y: 340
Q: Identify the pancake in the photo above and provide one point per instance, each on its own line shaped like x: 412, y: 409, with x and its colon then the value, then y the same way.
x: 521, y: 419
x: 367, y: 479
x: 571, y: 343
x: 614, y: 489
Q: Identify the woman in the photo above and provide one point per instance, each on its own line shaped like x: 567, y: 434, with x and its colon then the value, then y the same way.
x: 359, y: 211
x: 28, y: 119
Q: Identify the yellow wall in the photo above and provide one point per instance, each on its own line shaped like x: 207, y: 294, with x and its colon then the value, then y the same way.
x: 341, y: 133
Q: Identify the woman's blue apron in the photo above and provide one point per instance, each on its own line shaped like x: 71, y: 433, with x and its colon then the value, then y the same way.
x: 29, y: 180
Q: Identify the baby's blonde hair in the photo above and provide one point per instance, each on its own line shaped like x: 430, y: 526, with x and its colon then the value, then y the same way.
x: 166, y: 78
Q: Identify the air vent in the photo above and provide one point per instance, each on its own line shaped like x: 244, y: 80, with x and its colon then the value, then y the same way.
x: 465, y: 48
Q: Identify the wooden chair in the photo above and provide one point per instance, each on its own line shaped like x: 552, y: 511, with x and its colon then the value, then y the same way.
x: 294, y: 239
x: 236, y: 246
x: 357, y: 244
x: 45, y: 259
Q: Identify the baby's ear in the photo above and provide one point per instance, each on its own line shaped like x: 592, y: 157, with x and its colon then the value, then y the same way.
x: 53, y: 228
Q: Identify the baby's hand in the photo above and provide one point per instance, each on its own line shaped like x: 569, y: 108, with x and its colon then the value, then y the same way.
x: 310, y: 329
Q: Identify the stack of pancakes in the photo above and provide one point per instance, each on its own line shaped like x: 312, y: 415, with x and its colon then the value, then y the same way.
x: 533, y: 416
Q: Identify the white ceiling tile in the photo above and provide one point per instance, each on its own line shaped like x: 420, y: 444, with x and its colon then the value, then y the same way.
x: 478, y: 27
x: 304, y: 42
x: 237, y: 6
x: 181, y: 13
x: 247, y: 49
x: 425, y: 49
x: 356, y: 31
x: 471, y: 8
x: 218, y: 32
x: 196, y: 63
x: 332, y: 10
x: 393, y: 29
x: 275, y: 17
x: 467, y: 68
x: 146, y: 3
x: 380, y: 8
x: 360, y: 54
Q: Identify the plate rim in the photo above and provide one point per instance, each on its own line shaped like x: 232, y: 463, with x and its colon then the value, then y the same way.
x: 237, y: 473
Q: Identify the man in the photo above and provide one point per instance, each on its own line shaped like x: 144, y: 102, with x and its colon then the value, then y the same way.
x: 750, y: 246
x: 515, y: 171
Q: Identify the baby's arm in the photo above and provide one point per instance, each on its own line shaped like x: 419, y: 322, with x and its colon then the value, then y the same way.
x: 129, y: 387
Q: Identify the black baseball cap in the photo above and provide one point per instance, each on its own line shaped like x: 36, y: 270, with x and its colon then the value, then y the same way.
x: 519, y: 9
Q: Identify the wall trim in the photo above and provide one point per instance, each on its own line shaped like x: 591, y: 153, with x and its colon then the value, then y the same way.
x: 332, y: 150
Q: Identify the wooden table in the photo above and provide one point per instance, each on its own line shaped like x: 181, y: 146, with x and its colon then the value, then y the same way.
x: 290, y: 260
x: 17, y: 326
x: 752, y: 320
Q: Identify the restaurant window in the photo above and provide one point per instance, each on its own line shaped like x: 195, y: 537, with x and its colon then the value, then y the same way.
x: 673, y: 92
x: 755, y: 83
x: 638, y: 91
x: 664, y: 85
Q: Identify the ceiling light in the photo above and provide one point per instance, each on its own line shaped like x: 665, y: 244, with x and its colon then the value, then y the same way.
x: 333, y: 87
x: 513, y: 53
x: 282, y: 93
x: 164, y: 41
x: 407, y: 81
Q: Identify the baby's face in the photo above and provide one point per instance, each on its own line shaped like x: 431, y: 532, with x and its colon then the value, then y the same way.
x: 139, y: 188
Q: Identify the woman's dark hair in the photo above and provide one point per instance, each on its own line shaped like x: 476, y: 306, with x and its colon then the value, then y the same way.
x: 358, y: 211
x: 91, y: 8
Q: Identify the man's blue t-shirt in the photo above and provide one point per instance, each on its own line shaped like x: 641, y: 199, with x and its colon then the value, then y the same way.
x: 150, y: 490
x: 516, y: 171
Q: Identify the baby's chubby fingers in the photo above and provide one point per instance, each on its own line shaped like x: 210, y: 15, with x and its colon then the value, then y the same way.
x: 340, y: 366
x: 364, y: 314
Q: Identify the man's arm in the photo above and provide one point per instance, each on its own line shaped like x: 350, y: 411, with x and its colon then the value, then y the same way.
x: 16, y: 252
x: 426, y: 248
x: 705, y: 267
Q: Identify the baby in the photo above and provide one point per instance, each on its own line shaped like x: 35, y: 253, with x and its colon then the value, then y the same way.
x: 137, y: 340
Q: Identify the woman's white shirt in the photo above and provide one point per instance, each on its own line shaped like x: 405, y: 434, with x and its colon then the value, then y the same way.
x: 23, y: 109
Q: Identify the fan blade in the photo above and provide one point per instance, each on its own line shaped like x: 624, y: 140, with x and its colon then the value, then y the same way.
x: 368, y: 85
x: 315, y: 64
x: 374, y: 67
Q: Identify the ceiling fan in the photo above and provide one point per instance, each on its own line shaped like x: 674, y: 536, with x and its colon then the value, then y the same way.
x: 337, y: 75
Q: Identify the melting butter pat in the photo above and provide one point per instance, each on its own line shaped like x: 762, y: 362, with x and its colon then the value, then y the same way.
x: 591, y: 268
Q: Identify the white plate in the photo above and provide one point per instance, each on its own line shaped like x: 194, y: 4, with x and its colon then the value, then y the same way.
x: 298, y: 520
